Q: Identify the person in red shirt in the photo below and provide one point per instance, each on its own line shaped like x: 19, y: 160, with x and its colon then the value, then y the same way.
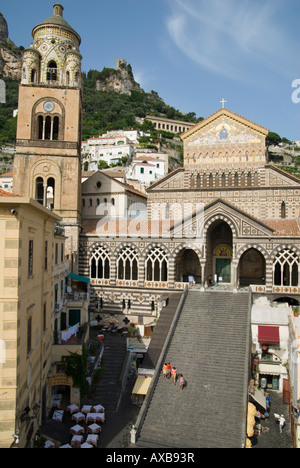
x: 169, y: 368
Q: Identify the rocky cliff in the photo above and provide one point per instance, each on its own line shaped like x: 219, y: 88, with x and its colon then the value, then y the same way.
x: 120, y: 79
x: 10, y: 54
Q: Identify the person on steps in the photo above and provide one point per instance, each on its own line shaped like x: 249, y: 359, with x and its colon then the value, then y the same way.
x: 181, y: 381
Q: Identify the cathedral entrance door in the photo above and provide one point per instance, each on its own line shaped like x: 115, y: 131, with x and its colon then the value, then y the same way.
x: 223, y: 270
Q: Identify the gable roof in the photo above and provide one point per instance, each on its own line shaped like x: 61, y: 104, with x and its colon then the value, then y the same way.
x: 229, y: 114
x: 125, y: 187
x: 248, y: 225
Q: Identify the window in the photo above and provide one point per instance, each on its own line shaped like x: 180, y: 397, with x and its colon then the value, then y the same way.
x: 62, y: 253
x: 142, y: 170
x: 56, y: 253
x: 46, y: 256
x: 283, y: 210
x: 100, y: 264
x: 286, y: 269
x: 52, y: 71
x: 39, y: 190
x: 30, y: 258
x: 55, y: 294
x: 44, y: 316
x: 48, y: 127
x: 157, y: 265
x: 29, y: 333
x: 127, y: 264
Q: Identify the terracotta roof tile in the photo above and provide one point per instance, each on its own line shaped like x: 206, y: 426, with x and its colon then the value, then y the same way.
x: 287, y: 227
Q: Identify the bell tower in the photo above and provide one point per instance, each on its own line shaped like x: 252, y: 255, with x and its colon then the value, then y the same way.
x: 47, y: 164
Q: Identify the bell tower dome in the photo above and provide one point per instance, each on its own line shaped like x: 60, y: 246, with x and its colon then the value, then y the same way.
x: 47, y: 165
x: 53, y: 58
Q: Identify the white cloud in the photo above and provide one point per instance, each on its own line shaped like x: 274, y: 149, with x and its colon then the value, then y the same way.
x: 229, y: 36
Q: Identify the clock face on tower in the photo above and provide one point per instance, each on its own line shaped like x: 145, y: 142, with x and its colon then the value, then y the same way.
x: 48, y: 106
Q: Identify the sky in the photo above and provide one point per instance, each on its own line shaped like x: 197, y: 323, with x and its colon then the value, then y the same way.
x: 193, y: 53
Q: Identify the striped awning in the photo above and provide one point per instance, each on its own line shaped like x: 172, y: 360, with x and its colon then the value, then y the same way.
x: 141, y: 385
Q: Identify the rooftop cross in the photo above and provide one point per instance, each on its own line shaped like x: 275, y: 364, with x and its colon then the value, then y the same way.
x: 223, y: 103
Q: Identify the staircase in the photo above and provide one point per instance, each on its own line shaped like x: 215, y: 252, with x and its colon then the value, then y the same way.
x: 211, y: 348
x: 109, y: 389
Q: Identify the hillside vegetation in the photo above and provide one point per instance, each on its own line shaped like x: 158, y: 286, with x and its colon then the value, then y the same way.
x: 109, y: 110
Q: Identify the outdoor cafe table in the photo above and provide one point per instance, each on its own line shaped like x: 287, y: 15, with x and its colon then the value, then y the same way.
x: 92, y: 439
x: 76, y: 430
x: 72, y: 409
x: 94, y: 417
x: 55, y: 403
x: 86, y: 409
x: 98, y: 409
x: 86, y: 445
x: 49, y: 444
x: 94, y: 428
x: 58, y: 415
x: 78, y: 417
x: 76, y: 440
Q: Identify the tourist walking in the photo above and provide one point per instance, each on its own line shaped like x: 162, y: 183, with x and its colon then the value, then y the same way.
x: 165, y: 368
x: 174, y: 374
x: 169, y: 369
x: 281, y: 423
x: 181, y: 381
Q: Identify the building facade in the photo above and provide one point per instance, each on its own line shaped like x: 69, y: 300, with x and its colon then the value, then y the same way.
x: 26, y: 284
x: 226, y: 218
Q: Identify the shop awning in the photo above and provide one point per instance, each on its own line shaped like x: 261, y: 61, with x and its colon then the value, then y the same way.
x: 268, y: 335
x: 83, y: 279
x: 141, y: 385
x: 260, y: 398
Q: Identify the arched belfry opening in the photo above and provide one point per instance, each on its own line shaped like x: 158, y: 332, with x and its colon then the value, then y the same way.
x: 219, y: 253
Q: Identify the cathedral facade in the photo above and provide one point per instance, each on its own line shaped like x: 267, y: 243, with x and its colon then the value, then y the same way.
x: 226, y: 219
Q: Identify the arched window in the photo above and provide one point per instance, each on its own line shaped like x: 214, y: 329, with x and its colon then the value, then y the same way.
x: 33, y: 76
x: 39, y: 190
x: 50, y: 197
x: 157, y: 265
x: 55, y: 128
x: 47, y: 134
x: 40, y: 127
x: 47, y: 127
x: 286, y: 269
x: 127, y: 264
x: 283, y: 210
x: 100, y: 264
x: 52, y: 71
